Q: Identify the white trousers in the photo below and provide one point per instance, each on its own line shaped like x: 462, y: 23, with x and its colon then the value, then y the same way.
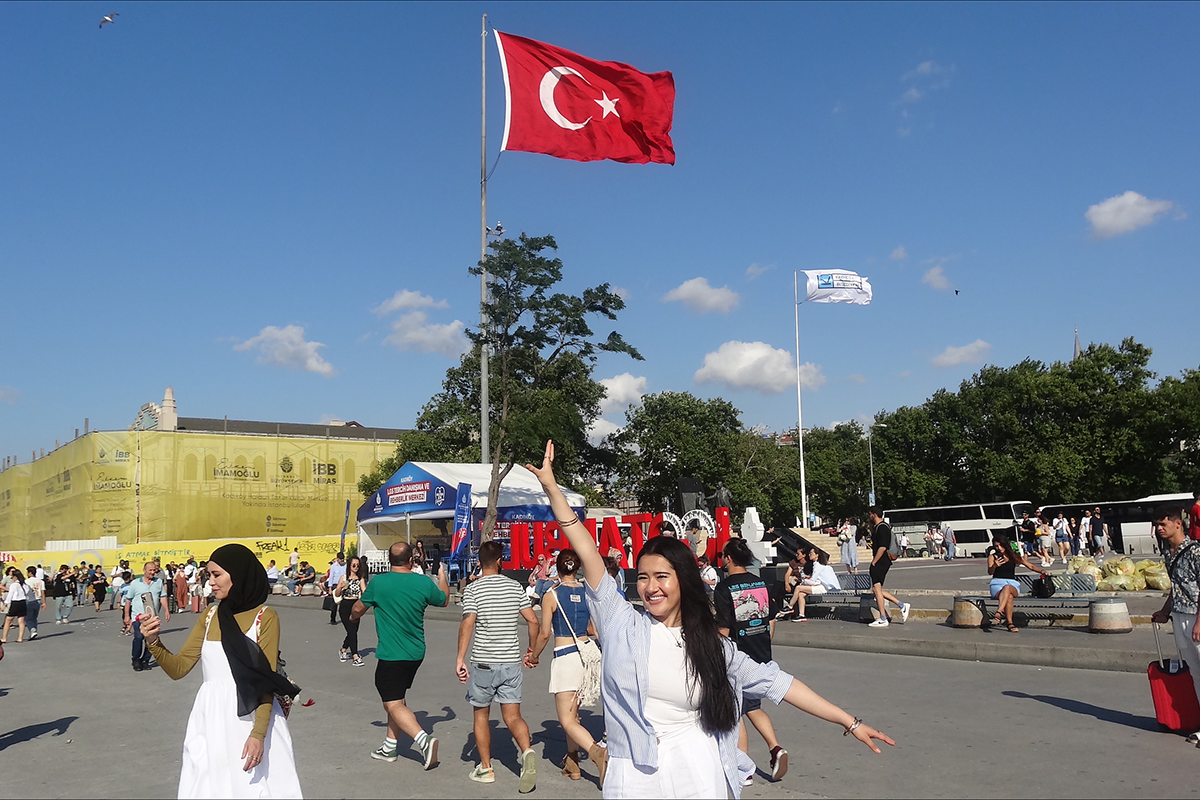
x: 1189, y: 650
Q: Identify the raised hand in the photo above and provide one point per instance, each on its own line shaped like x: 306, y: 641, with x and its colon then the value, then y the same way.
x: 545, y: 474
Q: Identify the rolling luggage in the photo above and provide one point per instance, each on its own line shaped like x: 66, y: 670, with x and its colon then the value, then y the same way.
x: 1175, y: 704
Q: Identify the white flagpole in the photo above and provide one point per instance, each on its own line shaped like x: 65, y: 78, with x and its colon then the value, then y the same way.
x: 799, y: 407
x: 484, y: 444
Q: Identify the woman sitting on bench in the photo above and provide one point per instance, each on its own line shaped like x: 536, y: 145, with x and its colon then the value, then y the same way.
x: 1003, y: 559
x: 823, y: 580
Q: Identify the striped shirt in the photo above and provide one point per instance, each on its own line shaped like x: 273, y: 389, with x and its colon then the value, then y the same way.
x: 497, y: 602
x: 625, y: 639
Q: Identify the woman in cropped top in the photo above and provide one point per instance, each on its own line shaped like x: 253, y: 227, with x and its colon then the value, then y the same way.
x: 1003, y: 560
x: 237, y: 742
x: 565, y: 609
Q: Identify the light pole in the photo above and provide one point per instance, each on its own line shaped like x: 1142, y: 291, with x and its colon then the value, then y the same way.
x: 871, y: 458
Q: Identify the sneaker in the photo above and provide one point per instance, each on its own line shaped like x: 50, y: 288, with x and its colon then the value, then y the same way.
x: 882, y: 622
x: 384, y: 753
x: 58, y: 622
x: 904, y: 609
x: 33, y: 636
x: 358, y: 662
x: 779, y: 763
x: 748, y: 780
x: 799, y: 619
x: 481, y: 775
x: 429, y: 752
x: 343, y: 656
x: 528, y: 772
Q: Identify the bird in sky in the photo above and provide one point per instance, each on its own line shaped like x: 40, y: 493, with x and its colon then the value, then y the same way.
x: 108, y: 19
x: 956, y: 292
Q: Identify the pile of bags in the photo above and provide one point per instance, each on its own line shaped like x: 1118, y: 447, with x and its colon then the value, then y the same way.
x: 1122, y: 574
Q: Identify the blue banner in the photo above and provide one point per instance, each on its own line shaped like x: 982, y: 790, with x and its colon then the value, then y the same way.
x: 462, y: 522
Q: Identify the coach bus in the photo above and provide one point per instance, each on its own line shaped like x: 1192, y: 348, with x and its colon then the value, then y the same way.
x: 974, y: 525
x: 1130, y: 522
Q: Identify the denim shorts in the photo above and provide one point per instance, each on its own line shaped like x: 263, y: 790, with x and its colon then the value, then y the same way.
x: 498, y: 682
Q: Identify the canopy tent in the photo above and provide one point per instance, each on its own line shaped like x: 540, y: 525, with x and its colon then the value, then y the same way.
x: 424, y: 490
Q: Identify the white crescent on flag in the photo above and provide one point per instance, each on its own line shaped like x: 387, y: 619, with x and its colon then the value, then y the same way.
x: 837, y: 286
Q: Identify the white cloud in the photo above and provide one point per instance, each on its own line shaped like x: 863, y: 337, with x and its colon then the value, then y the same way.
x: 936, y: 278
x: 406, y: 299
x: 601, y: 428
x: 757, y: 366
x: 904, y: 132
x: 414, y: 332
x: 9, y: 395
x: 857, y: 377
x: 973, y: 353
x: 623, y: 390
x: 905, y: 374
x: 754, y: 270
x: 928, y: 69
x: 327, y: 418
x: 697, y: 295
x: 899, y: 254
x: 911, y: 96
x: 837, y: 109
x: 1124, y: 213
x: 287, y: 348
x: 620, y: 291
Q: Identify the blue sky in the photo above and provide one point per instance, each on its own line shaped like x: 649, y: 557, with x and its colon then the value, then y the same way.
x: 201, y: 194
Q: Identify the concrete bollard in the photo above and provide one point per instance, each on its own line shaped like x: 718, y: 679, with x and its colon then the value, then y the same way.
x: 308, y: 589
x: 966, y: 613
x: 278, y: 588
x: 866, y: 608
x: 1109, y: 615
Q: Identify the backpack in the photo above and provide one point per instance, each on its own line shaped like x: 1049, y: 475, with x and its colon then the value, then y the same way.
x: 893, y: 550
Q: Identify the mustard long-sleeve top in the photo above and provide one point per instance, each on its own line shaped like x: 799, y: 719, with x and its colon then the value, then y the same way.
x: 177, y: 665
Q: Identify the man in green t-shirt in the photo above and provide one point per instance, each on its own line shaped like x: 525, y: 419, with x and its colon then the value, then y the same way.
x: 399, y: 598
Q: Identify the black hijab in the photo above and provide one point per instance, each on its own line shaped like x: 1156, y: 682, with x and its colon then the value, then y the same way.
x: 251, y: 670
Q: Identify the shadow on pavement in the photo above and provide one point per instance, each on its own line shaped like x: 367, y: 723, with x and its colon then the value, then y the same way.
x: 51, y: 635
x: 1087, y: 709
x: 4, y: 691
x: 34, y: 731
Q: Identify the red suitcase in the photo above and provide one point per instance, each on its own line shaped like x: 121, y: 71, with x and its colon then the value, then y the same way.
x: 1174, y: 693
x: 195, y: 604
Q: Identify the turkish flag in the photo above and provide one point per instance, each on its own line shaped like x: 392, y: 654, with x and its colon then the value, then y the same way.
x: 564, y: 105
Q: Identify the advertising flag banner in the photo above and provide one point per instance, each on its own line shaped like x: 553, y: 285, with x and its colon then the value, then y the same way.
x: 564, y: 105
x: 462, y: 522
x: 837, y: 286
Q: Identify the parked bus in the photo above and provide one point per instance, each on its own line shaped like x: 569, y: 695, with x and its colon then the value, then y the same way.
x: 974, y: 525
x: 1130, y: 522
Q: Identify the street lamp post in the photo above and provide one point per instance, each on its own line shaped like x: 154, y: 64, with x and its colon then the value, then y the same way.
x: 871, y: 459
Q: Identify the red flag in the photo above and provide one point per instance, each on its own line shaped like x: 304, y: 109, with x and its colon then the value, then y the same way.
x: 564, y: 105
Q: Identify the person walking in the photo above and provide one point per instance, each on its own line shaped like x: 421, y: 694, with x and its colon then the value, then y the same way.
x: 848, y: 539
x: 35, y: 602
x: 566, y: 619
x: 492, y: 610
x: 669, y: 737
x: 337, y: 571
x: 745, y: 616
x: 1085, y: 531
x: 1062, y: 537
x: 17, y: 600
x: 237, y: 742
x: 350, y: 589
x: 1073, y: 530
x: 881, y: 562
x: 1183, y: 567
x: 293, y: 562
x: 1003, y: 560
x: 148, y: 585
x: 62, y: 589
x: 99, y: 588
x: 1099, y: 529
x: 400, y: 598
x: 949, y: 541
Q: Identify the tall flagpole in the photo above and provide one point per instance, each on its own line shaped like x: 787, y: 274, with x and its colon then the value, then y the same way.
x: 799, y: 407
x: 484, y: 444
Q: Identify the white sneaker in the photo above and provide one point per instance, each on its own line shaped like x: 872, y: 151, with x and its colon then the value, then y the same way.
x: 904, y: 609
x: 882, y: 622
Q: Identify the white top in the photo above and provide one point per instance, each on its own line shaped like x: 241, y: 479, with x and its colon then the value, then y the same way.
x: 1085, y: 525
x: 118, y: 582
x: 824, y: 575
x: 116, y: 571
x: 709, y: 574
x: 17, y: 592
x: 273, y: 572
x: 36, y: 587
x: 671, y: 706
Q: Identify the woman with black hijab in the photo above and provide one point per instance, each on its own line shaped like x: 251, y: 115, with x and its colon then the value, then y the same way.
x: 237, y: 742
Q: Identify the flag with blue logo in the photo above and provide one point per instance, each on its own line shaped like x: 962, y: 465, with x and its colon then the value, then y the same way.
x: 837, y: 286
x: 462, y: 522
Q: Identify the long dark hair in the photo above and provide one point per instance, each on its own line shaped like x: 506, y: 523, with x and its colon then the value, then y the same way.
x: 703, y: 643
x: 364, y: 569
x: 1004, y: 547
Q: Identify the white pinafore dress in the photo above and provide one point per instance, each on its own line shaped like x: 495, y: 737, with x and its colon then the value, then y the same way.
x: 212, y: 747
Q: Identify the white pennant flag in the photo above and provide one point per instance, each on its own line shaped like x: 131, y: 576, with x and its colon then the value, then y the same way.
x: 837, y: 286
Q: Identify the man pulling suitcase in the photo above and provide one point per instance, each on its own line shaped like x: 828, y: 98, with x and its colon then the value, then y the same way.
x: 1175, y: 708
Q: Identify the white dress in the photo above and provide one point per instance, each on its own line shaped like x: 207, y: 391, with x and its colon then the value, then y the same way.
x: 212, y: 747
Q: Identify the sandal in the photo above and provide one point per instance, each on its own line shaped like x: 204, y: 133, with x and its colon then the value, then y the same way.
x: 997, y: 619
x: 1013, y: 628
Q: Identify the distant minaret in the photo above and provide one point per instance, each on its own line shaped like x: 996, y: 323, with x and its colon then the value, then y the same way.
x: 1078, y: 351
x: 168, y: 420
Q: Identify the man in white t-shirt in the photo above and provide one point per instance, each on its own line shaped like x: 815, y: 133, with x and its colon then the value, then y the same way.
x: 35, y: 602
x: 293, y: 562
x: 708, y: 575
x: 823, y: 580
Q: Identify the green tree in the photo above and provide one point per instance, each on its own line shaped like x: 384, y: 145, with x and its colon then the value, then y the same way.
x: 542, y: 352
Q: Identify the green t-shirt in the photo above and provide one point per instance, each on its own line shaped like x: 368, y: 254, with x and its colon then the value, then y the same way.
x: 399, y: 600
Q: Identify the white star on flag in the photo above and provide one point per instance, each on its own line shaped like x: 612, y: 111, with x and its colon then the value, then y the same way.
x: 609, y: 106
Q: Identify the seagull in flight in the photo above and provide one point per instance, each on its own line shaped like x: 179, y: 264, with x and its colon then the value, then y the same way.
x: 108, y: 19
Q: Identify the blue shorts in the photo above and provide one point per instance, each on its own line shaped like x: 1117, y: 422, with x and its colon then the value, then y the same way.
x: 999, y: 583
x: 750, y: 704
x: 498, y: 682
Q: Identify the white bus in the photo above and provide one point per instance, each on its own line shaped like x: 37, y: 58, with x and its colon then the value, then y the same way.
x: 974, y: 525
